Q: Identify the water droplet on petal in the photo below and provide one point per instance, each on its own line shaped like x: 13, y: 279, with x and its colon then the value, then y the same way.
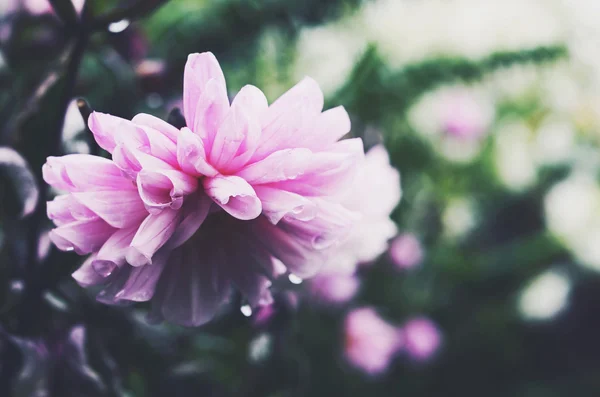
x: 69, y: 249
x: 294, y: 279
x: 246, y: 310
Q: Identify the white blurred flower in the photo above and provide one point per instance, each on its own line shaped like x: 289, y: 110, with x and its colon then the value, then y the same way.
x: 328, y: 53
x: 572, y: 209
x: 407, y: 31
x: 545, y: 296
x: 554, y: 141
x: 72, y: 127
x: 459, y: 217
x: 513, y: 155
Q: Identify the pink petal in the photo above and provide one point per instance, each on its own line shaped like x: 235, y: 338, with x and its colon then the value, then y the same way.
x: 105, y: 127
x: 82, y: 236
x: 191, y: 155
x: 157, y: 124
x: 306, y: 91
x: 289, y: 117
x: 199, y: 69
x: 86, y: 276
x: 211, y: 110
x: 331, y: 225
x: 285, y: 130
x: 329, y: 127
x: 252, y: 100
x: 82, y: 172
x: 141, y: 283
x: 131, y: 160
x: 112, y: 254
x: 153, y: 233
x: 238, y: 126
x: 278, y: 166
x: 192, y: 286
x: 297, y: 255
x: 328, y: 173
x: 119, y: 209
x: 278, y: 204
x: 234, y: 195
x: 164, y: 188
x: 248, y: 264
x: 66, y: 209
x: 194, y: 211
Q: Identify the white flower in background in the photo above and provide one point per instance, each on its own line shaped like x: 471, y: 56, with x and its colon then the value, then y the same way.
x: 408, y: 31
x: 455, y: 119
x: 328, y: 53
x: 513, y: 155
x: 72, y: 127
x: 545, y: 296
x: 572, y: 209
x: 459, y: 217
x: 554, y: 142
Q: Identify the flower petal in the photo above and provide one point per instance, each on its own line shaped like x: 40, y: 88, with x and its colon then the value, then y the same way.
x: 112, y: 254
x: 193, y: 213
x: 153, y: 233
x: 82, y: 172
x: 211, y: 110
x: 104, y: 127
x: 192, y: 286
x: 330, y: 126
x: 199, y: 69
x: 191, y: 155
x: 238, y: 127
x: 157, y: 124
x: 278, y: 204
x: 278, y: 166
x: 66, y: 209
x: 86, y: 276
x: 142, y: 280
x: 164, y: 188
x: 83, y: 237
x: 119, y: 209
x: 234, y: 195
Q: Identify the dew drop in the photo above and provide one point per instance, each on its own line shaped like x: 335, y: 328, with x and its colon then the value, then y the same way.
x: 246, y: 310
x: 69, y: 249
x: 294, y: 279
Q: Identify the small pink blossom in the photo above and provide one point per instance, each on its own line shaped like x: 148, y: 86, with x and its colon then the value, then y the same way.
x: 375, y: 193
x: 406, y: 251
x: 334, y: 288
x: 422, y: 338
x: 463, y: 115
x: 370, y: 342
x: 179, y: 217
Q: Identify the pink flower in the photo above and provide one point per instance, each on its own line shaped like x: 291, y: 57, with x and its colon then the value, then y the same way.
x: 333, y: 287
x: 406, y: 251
x: 371, y: 343
x: 375, y: 193
x: 181, y: 216
x: 464, y: 115
x: 422, y: 338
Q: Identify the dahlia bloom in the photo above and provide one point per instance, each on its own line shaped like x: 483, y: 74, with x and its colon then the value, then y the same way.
x: 370, y: 342
x: 179, y: 217
x: 376, y: 192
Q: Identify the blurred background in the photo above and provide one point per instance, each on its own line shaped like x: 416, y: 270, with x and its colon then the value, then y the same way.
x: 490, y: 110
